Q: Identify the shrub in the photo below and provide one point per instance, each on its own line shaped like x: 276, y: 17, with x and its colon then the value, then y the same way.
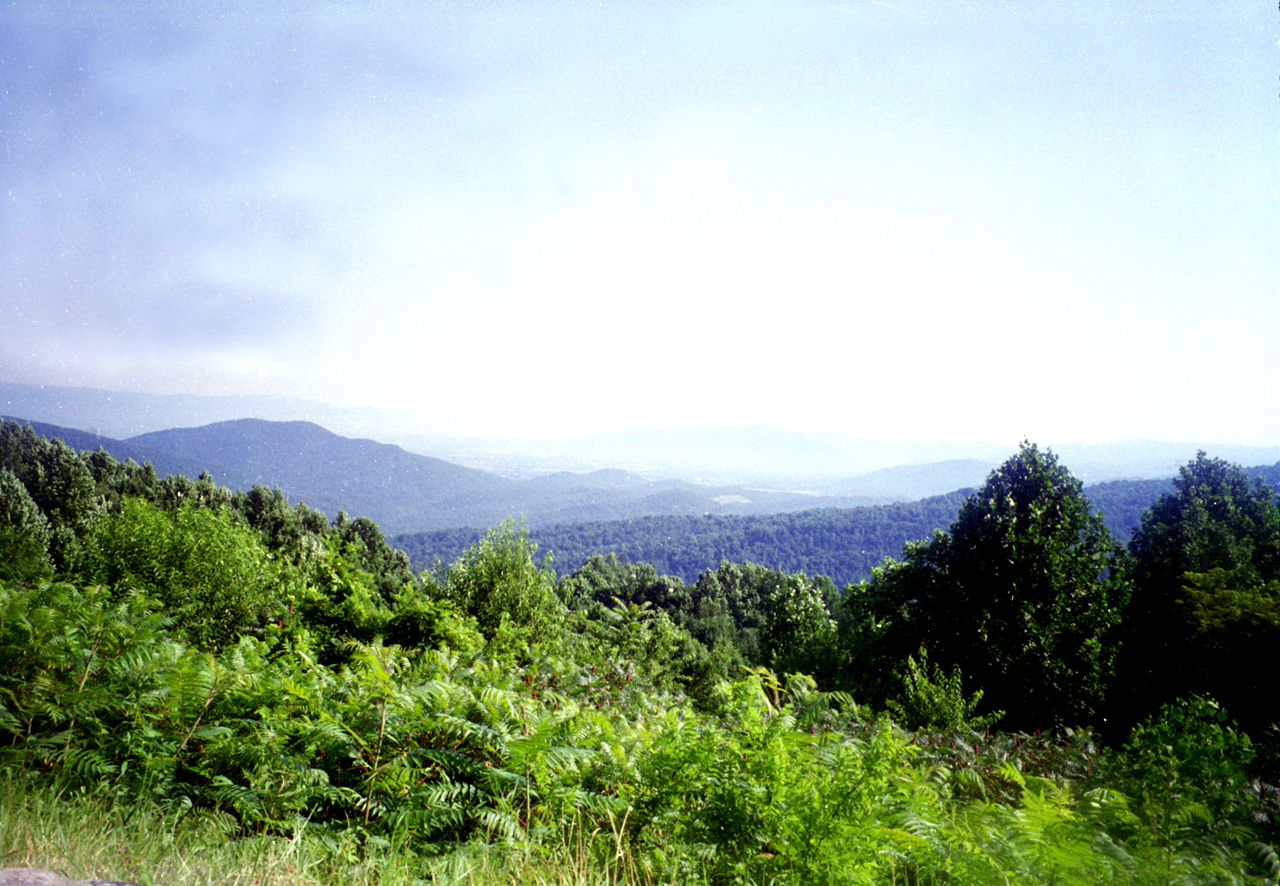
x: 215, y: 578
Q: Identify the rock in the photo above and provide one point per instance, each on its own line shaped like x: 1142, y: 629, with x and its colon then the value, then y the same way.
x: 37, y: 877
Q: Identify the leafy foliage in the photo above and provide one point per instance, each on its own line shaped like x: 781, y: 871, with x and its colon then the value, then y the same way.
x: 798, y: 634
x: 936, y: 701
x: 24, y: 531
x: 1187, y: 767
x: 1020, y: 595
x: 1206, y: 581
x: 242, y: 661
x: 215, y: 579
x: 57, y: 480
x: 500, y: 583
x: 1215, y: 519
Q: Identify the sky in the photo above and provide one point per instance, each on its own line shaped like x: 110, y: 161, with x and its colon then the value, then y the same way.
x: 917, y: 219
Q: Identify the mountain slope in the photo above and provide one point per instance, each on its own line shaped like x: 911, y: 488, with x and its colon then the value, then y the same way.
x: 165, y: 463
x: 919, y: 481
x: 333, y: 473
x: 817, y: 462
x: 405, y: 492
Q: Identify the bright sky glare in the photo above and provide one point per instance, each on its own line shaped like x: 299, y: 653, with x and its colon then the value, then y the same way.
x: 909, y: 219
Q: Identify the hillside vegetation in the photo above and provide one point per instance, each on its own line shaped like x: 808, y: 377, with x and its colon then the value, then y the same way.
x: 1018, y: 699
x: 844, y: 544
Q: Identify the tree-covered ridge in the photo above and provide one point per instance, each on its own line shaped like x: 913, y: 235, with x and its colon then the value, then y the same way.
x: 841, y: 543
x: 233, y: 655
x: 845, y: 544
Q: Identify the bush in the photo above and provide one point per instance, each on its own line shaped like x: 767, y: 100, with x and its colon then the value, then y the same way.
x: 937, y: 701
x: 215, y: 578
x: 510, y: 594
x: 1187, y: 767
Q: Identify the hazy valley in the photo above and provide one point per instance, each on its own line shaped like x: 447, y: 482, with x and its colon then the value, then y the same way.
x: 682, y: 500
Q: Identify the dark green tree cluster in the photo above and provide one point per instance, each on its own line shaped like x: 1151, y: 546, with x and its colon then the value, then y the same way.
x: 1205, y: 613
x: 1031, y: 600
x: 1022, y: 595
x: 1028, y: 609
x: 57, y: 481
x: 24, y: 531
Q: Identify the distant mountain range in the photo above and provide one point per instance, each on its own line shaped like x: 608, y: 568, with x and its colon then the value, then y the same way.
x: 405, y: 492
x: 832, y: 466
x: 425, y: 503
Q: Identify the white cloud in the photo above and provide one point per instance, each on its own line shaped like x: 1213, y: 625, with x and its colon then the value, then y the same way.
x: 928, y: 220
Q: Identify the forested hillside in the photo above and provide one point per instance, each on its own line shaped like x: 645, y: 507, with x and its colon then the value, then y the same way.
x: 1017, y: 699
x: 844, y: 544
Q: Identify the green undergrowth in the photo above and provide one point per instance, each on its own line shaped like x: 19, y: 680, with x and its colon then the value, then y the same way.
x: 99, y: 834
x: 135, y: 756
x: 201, y: 688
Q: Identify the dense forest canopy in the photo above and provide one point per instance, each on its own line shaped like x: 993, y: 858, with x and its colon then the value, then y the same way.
x: 1020, y: 697
x: 845, y: 544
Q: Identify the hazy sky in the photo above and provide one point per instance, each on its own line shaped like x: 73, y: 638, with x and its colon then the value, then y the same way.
x: 914, y: 218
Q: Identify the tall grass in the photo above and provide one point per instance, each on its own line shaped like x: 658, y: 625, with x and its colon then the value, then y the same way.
x: 97, y: 835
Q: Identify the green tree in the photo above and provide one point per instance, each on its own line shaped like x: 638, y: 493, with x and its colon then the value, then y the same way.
x: 601, y: 578
x: 934, y: 700
x: 58, y: 481
x: 798, y: 634
x: 1215, y: 519
x: 1205, y: 567
x: 214, y: 577
x: 24, y: 531
x: 421, y: 621
x: 645, y: 643
x: 730, y: 602
x: 389, y: 567
x: 115, y: 480
x: 1187, y: 766
x: 269, y: 512
x: 1020, y: 595
x: 339, y: 602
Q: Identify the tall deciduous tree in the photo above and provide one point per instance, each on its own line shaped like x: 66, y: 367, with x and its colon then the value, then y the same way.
x: 1020, y: 595
x: 1215, y: 519
x: 1205, y: 612
x: 730, y: 602
x: 798, y: 634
